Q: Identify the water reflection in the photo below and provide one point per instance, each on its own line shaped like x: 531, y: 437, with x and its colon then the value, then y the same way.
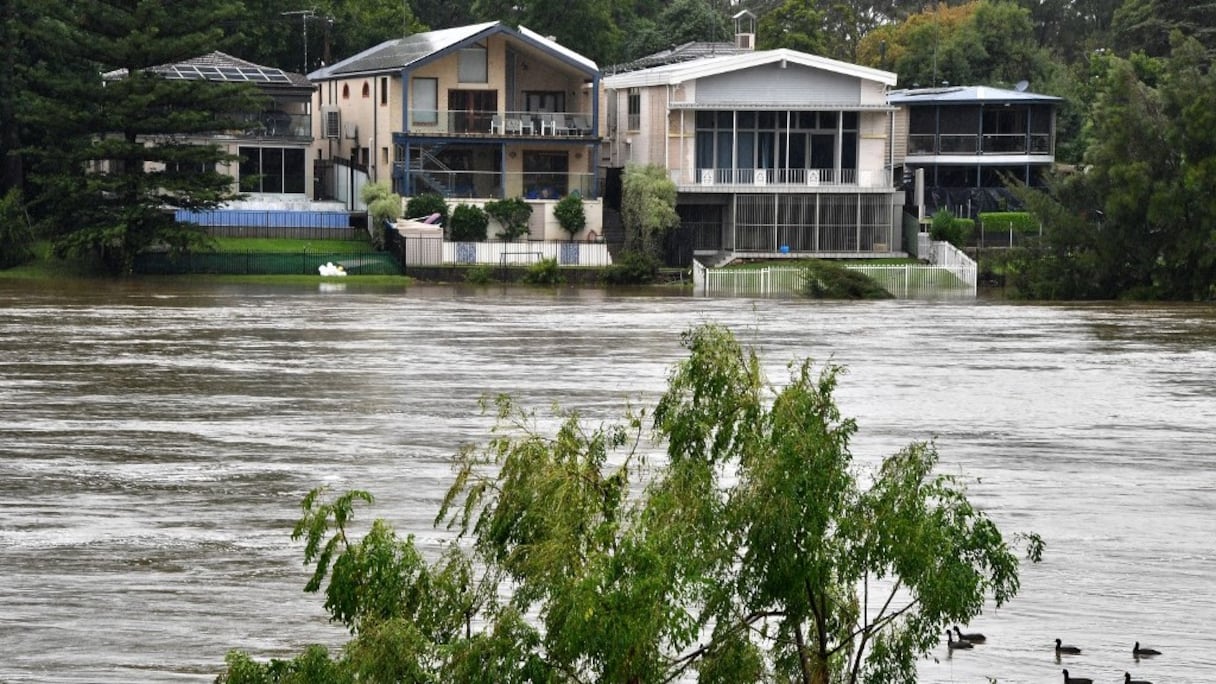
x: 155, y: 440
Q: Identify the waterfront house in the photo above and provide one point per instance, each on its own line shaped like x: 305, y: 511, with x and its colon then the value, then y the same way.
x: 971, y: 142
x: 473, y: 113
x: 775, y: 153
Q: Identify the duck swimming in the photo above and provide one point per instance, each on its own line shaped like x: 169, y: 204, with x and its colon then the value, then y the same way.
x: 1127, y: 679
x: 1073, y: 650
x: 952, y: 644
x: 973, y: 637
x: 1076, y: 680
x: 1137, y: 651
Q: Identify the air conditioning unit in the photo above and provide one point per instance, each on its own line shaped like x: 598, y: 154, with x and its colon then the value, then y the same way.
x: 350, y: 131
x: 331, y: 120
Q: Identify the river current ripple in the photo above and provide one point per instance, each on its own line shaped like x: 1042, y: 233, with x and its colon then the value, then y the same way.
x: 155, y: 442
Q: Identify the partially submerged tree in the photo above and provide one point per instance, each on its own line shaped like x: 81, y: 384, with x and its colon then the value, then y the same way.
x: 750, y: 552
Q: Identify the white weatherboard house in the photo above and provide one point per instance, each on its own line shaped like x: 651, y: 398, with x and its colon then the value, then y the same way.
x: 776, y: 153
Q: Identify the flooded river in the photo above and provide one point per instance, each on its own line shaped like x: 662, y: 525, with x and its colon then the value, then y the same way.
x: 155, y: 441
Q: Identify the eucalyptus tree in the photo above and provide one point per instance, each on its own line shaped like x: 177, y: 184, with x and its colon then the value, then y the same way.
x: 727, y: 537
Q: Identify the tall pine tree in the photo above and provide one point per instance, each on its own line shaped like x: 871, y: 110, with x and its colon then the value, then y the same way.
x: 132, y: 144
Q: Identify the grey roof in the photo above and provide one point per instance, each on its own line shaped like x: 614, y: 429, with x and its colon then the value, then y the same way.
x: 220, y: 66
x: 679, y: 53
x: 965, y: 95
x: 393, y: 55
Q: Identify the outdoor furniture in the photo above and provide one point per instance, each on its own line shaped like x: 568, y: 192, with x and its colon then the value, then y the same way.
x: 517, y: 126
x: 548, y: 125
x: 560, y: 126
x: 496, y: 124
x: 581, y: 124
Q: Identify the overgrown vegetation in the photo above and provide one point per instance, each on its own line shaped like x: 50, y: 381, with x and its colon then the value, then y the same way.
x: 512, y: 215
x: 469, y: 223
x: 753, y: 551
x: 827, y: 280
x: 632, y: 268
x: 543, y: 272
x: 480, y: 274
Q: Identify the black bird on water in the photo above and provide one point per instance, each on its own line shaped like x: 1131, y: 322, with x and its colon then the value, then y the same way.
x: 1127, y: 679
x: 952, y: 644
x: 1138, y: 652
x: 1076, y: 680
x: 973, y: 637
x: 1071, y: 650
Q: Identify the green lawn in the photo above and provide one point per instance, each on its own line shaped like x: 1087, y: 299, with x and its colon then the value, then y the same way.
x: 276, y: 246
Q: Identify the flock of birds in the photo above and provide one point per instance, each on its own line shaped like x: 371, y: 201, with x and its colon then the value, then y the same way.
x: 969, y: 640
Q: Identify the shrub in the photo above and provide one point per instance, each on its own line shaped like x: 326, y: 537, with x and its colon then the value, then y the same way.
x: 468, y: 224
x: 1020, y: 221
x: 512, y: 215
x: 426, y: 204
x: 16, y: 237
x: 570, y: 214
x: 825, y: 280
x: 632, y: 268
x: 543, y: 272
x: 950, y: 229
x: 479, y: 274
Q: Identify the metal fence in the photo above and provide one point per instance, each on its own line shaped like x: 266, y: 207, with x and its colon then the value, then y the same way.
x: 266, y: 263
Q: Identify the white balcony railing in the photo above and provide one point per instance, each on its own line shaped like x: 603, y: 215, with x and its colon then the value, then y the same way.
x: 865, y: 178
x: 495, y: 123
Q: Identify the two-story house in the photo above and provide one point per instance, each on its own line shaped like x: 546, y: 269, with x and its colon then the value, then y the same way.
x: 970, y: 142
x: 775, y: 153
x: 473, y: 113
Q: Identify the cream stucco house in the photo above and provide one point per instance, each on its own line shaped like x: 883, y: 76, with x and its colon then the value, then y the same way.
x: 473, y: 113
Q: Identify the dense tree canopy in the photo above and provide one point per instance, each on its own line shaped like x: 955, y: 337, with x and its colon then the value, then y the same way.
x: 1140, y: 221
x: 751, y: 551
x: 121, y: 162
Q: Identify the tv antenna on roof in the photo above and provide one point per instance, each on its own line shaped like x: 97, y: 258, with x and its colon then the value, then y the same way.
x: 1022, y: 86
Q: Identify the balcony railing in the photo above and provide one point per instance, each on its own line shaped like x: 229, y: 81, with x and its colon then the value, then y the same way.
x: 505, y: 124
x: 491, y: 184
x: 989, y: 143
x: 278, y: 124
x: 787, y: 177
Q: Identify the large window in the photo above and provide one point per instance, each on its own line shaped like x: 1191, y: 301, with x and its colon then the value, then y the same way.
x: 426, y: 101
x: 472, y: 66
x: 776, y: 140
x: 272, y: 170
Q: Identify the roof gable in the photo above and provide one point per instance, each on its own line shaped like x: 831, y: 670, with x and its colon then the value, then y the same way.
x: 673, y: 74
x: 421, y: 48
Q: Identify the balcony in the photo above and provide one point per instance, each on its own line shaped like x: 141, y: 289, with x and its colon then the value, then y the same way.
x: 735, y: 180
x: 477, y: 123
x: 278, y: 124
x: 971, y: 145
x: 490, y: 184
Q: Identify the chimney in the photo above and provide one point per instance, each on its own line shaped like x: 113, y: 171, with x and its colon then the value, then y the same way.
x: 745, y: 30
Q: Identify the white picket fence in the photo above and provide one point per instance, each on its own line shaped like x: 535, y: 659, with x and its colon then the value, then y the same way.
x: 952, y: 273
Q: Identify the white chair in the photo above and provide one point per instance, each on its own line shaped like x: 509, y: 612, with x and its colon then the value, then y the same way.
x: 496, y: 125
